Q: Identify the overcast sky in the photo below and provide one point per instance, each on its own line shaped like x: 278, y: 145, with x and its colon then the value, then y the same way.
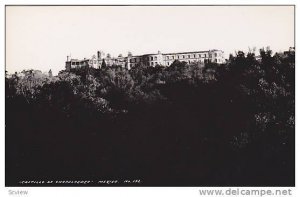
x: 41, y: 37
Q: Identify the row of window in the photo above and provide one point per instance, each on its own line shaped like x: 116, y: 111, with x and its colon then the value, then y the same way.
x: 133, y: 60
x: 75, y: 63
x: 139, y: 59
x: 172, y: 57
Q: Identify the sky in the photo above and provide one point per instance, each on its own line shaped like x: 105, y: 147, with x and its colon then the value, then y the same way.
x: 41, y: 37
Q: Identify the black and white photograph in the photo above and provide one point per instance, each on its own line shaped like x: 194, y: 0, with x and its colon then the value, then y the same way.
x: 150, y: 95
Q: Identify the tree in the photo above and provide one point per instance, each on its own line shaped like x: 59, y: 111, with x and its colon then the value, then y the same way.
x: 50, y: 73
x: 103, y: 65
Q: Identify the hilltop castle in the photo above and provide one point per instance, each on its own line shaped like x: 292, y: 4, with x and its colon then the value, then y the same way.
x: 163, y: 59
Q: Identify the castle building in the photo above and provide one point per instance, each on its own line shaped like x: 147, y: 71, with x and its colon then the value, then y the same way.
x: 75, y: 63
x: 162, y: 59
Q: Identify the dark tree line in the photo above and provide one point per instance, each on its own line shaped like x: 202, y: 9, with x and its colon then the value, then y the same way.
x: 183, y: 125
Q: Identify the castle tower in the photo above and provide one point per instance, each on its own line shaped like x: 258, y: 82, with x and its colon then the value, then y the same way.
x: 98, y: 55
x: 99, y: 61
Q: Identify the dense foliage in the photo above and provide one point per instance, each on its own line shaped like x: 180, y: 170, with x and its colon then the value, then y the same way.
x: 195, y: 125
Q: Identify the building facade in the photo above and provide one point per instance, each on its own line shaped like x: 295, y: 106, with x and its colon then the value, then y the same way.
x: 75, y: 63
x: 162, y: 59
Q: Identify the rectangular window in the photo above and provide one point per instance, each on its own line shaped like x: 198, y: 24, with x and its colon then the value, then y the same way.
x: 183, y: 57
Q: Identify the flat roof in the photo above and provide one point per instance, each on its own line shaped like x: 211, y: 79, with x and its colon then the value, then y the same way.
x: 186, y: 52
x: 77, y: 60
x: 178, y: 53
